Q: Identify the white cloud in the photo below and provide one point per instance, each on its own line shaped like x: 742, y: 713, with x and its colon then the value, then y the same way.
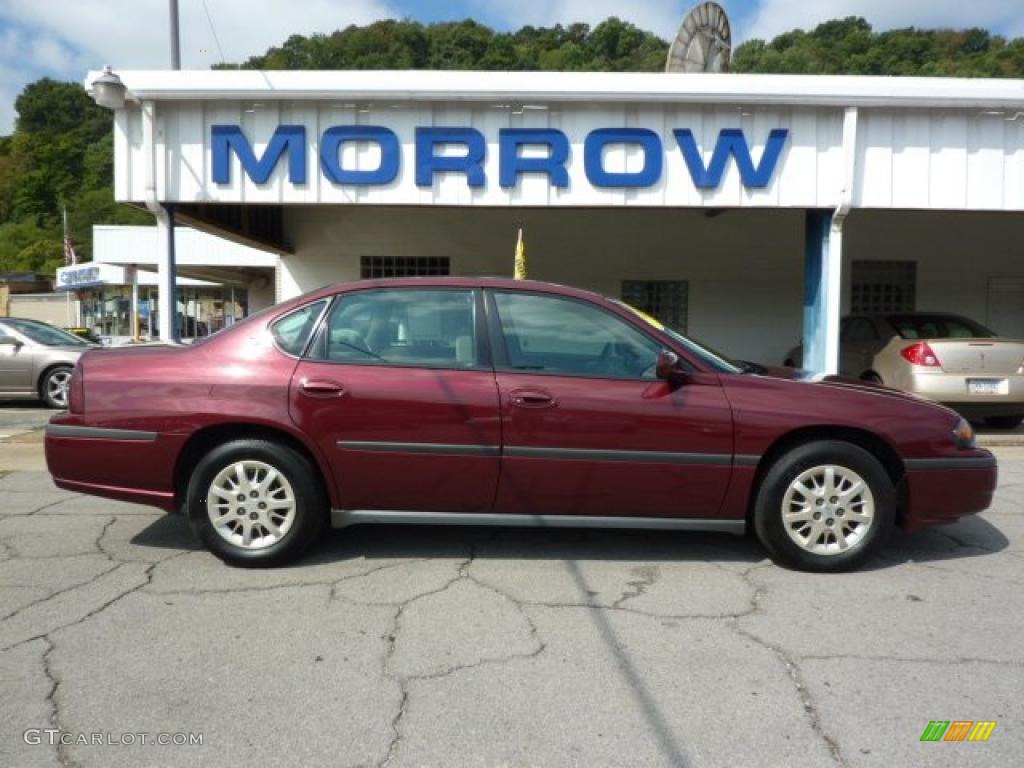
x: 63, y: 39
x: 776, y: 16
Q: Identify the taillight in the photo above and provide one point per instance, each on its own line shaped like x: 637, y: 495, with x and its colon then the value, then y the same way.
x: 921, y: 354
x: 76, y: 390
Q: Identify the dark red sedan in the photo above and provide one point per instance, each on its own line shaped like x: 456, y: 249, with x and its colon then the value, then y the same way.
x: 499, y: 402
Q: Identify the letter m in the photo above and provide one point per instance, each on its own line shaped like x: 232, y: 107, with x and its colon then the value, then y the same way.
x: 935, y: 730
x: 731, y: 143
x: 228, y: 138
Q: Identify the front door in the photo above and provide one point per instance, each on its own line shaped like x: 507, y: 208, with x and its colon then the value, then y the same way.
x: 588, y: 428
x: 398, y: 394
x: 16, y: 364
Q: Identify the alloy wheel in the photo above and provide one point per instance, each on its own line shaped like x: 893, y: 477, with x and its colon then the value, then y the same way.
x: 828, y: 509
x: 251, y: 504
x: 57, y: 385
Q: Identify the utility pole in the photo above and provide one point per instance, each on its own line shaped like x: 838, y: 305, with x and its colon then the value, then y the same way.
x: 175, y: 47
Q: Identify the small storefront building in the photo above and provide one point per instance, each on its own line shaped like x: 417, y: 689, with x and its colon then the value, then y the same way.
x: 750, y: 211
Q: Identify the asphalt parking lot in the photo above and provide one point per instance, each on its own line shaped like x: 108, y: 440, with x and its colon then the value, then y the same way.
x: 461, y: 647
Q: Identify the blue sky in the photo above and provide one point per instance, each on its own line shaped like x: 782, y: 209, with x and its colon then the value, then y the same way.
x: 66, y: 38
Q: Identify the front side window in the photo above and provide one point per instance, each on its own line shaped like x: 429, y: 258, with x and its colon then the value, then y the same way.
x: 292, y: 331
x: 405, y: 327
x: 550, y: 334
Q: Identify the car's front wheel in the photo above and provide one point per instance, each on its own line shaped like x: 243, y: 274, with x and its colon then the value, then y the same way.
x: 825, y: 506
x: 256, y: 503
x: 54, y: 386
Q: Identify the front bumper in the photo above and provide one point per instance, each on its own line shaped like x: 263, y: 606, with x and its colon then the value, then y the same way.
x: 941, y: 490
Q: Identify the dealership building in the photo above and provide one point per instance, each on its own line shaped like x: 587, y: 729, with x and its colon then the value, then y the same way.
x: 750, y: 211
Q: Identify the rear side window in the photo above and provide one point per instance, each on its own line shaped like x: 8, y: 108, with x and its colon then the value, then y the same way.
x: 292, y: 331
x: 409, y: 327
x: 938, y: 327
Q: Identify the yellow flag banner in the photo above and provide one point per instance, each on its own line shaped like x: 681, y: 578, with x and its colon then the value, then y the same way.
x: 520, y: 270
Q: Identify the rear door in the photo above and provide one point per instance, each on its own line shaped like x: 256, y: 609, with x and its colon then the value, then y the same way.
x: 398, y: 391
x: 588, y: 429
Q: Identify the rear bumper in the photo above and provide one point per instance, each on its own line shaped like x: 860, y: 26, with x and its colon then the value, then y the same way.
x: 942, y: 490
x: 953, y: 390
x: 124, y: 464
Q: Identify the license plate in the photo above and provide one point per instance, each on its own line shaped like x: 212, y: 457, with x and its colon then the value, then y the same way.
x: 988, y: 386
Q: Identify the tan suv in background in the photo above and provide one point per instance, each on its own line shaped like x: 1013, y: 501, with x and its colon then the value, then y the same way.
x: 946, y: 358
x: 36, y: 360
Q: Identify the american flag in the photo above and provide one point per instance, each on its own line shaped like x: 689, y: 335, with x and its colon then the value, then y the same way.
x: 70, y: 257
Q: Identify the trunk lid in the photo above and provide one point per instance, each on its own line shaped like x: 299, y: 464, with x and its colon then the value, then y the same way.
x: 1003, y: 357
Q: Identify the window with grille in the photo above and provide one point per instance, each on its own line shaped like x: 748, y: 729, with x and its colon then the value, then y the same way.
x: 665, y: 300
x: 880, y: 287
x: 404, y: 266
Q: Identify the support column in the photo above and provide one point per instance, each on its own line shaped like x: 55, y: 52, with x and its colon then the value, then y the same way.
x: 167, y: 273
x: 134, y: 324
x: 822, y: 287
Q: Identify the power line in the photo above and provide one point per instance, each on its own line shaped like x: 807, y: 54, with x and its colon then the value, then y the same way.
x: 214, y: 31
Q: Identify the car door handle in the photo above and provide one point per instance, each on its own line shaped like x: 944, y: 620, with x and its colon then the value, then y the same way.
x: 321, y: 388
x: 532, y: 398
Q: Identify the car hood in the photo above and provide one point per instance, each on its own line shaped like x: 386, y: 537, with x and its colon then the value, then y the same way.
x: 841, y: 382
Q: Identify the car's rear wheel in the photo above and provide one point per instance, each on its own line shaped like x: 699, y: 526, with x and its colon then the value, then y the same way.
x: 1004, y: 422
x: 256, y: 503
x: 825, y: 506
x: 54, y: 386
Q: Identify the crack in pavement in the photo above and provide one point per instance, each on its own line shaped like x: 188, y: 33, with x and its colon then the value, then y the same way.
x: 147, y: 573
x: 403, y: 681
x: 51, y: 698
x: 792, y: 668
x: 58, y: 593
x: 52, y: 504
x: 647, y: 575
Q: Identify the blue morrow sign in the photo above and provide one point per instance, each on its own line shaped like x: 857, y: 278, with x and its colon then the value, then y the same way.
x: 291, y: 140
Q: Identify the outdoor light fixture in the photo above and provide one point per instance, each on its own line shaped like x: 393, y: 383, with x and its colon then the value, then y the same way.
x: 108, y: 90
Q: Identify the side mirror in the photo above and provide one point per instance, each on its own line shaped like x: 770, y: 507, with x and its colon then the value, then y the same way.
x: 10, y: 340
x: 667, y: 368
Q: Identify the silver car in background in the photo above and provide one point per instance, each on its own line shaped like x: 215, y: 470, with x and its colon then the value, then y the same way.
x: 36, y: 360
x: 946, y: 358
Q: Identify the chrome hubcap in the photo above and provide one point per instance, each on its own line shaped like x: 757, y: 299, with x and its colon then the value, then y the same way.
x: 251, y: 504
x: 828, y: 509
x: 57, y: 387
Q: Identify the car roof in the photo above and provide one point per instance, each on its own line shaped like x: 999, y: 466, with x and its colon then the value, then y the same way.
x: 496, y: 283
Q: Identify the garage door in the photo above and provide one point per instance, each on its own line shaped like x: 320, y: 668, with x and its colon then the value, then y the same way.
x: 1006, y: 306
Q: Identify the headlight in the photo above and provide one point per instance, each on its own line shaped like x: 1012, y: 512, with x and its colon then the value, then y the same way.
x: 963, y: 435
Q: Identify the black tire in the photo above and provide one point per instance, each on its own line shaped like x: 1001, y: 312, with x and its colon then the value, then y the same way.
x: 1004, y: 422
x: 310, y: 507
x: 53, y: 387
x: 768, y: 509
x: 873, y: 377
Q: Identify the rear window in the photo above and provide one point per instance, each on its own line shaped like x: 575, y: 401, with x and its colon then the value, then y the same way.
x: 938, y: 327
x: 292, y: 331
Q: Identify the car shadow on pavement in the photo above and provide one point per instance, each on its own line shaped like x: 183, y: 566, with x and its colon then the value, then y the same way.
x: 968, y: 538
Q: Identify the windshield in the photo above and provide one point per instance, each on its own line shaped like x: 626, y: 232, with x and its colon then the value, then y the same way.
x: 938, y: 327
x: 44, y: 334
x: 717, y: 361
